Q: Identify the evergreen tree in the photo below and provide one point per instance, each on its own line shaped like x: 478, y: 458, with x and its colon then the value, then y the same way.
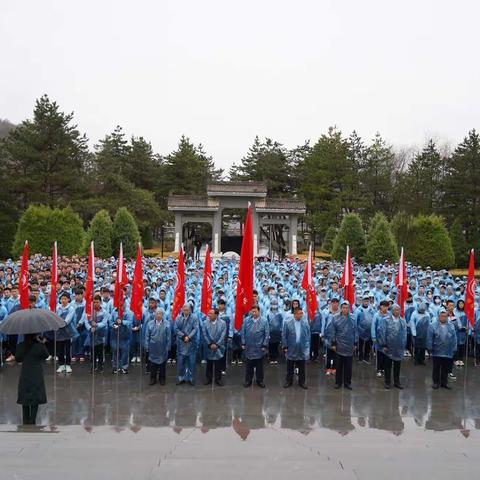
x: 329, y: 181
x: 268, y: 162
x: 381, y: 243
x: 125, y: 230
x: 431, y: 244
x: 462, y: 187
x: 401, y: 227
x: 376, y: 176
x: 100, y: 231
x: 42, y: 226
x: 459, y: 244
x: 328, y: 240
x: 350, y: 233
x: 44, y: 158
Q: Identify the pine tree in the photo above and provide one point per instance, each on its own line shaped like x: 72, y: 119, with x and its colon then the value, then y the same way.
x: 125, y: 230
x: 431, y: 243
x: 100, y: 231
x: 401, y: 227
x: 459, y: 244
x: 350, y: 233
x: 381, y: 243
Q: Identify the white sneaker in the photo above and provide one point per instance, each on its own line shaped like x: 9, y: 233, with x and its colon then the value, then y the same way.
x: 49, y: 358
x: 68, y: 369
x: 61, y: 369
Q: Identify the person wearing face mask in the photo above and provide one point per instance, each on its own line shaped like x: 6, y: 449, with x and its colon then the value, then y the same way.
x: 435, y: 307
x: 462, y: 326
x: 409, y: 309
x: 453, y: 320
x: 421, y: 320
x: 275, y: 323
x: 363, y: 319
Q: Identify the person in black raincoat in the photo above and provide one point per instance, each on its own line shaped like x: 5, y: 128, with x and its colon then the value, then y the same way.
x: 31, y: 386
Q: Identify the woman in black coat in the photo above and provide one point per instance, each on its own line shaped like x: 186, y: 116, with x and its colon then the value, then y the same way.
x: 31, y: 386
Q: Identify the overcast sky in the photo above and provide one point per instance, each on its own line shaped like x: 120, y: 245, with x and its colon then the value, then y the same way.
x: 222, y: 72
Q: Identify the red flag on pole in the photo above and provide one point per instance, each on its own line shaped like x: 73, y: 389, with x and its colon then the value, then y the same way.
x: 207, y: 285
x: 136, y: 301
x: 179, y: 295
x: 346, y: 281
x: 120, y: 282
x: 54, y: 280
x: 402, y: 284
x: 470, y: 293
x: 23, y: 282
x: 89, y: 284
x: 308, y: 285
x: 244, y: 300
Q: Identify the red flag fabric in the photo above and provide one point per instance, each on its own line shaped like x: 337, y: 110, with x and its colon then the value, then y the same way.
x: 136, y: 301
x: 244, y: 300
x: 308, y: 285
x: 54, y: 280
x: 179, y: 295
x: 23, y: 282
x: 120, y: 282
x: 206, y: 305
x: 470, y: 293
x: 346, y: 281
x: 401, y: 283
x: 89, y: 284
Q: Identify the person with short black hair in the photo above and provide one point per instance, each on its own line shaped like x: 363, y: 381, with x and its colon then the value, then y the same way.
x: 214, y: 331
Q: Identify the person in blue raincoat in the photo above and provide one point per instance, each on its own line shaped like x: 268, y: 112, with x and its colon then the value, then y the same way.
x: 78, y: 346
x: 316, y: 327
x: 65, y: 334
x: 392, y: 340
x: 214, y: 331
x: 186, y: 333
x: 275, y: 323
x: 296, y: 345
x: 363, y: 319
x: 120, y: 334
x: 3, y: 315
x: 97, y: 328
x: 148, y: 316
x: 341, y: 334
x: 378, y: 319
x: 421, y: 320
x: 255, y: 336
x: 442, y: 344
x: 158, y: 342
x: 462, y: 327
x: 223, y: 315
x: 476, y: 337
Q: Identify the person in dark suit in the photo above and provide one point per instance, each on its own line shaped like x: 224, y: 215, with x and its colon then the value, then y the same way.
x: 31, y: 386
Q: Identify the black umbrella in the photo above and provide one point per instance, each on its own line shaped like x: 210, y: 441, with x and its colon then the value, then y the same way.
x: 31, y: 320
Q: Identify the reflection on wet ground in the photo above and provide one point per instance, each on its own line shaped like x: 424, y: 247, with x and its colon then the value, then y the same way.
x: 163, y: 429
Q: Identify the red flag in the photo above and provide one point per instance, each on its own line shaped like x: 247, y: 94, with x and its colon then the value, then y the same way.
x: 136, y: 301
x: 206, y: 305
x: 89, y: 284
x: 179, y: 295
x: 244, y: 299
x: 23, y: 282
x: 54, y: 280
x: 120, y: 282
x: 402, y: 284
x: 308, y: 285
x: 346, y: 281
x: 470, y: 293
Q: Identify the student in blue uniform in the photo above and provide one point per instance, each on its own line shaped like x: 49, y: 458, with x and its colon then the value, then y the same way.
x: 120, y: 333
x: 157, y: 340
x: 97, y: 327
x: 186, y: 333
x: 78, y: 345
x: 275, y: 323
x: 223, y: 315
x: 65, y: 334
x: 442, y: 344
x: 214, y: 331
x: 392, y: 340
x: 378, y: 319
x: 315, y: 334
x: 421, y: 320
x: 255, y: 337
x: 296, y: 345
x: 363, y: 319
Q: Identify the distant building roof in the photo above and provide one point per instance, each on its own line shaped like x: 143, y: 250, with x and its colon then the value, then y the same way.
x: 242, y: 189
x: 286, y: 205
x: 192, y: 202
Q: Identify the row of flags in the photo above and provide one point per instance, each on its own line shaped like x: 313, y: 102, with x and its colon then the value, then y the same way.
x: 244, y: 298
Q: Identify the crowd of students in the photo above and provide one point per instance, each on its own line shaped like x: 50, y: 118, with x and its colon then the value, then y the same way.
x: 434, y: 322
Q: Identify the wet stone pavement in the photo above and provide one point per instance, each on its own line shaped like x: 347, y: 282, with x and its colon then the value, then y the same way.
x: 117, y: 426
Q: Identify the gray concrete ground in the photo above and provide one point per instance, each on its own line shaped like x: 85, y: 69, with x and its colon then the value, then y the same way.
x: 106, y: 426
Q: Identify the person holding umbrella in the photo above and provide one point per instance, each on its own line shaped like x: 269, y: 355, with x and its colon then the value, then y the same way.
x: 31, y: 353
